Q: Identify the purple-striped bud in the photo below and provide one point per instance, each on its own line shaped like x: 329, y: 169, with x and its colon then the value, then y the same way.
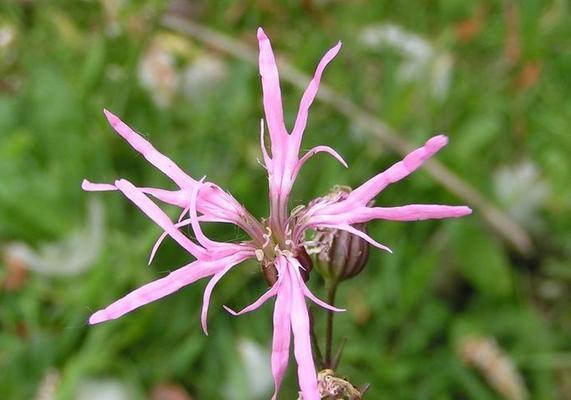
x: 342, y: 255
x: 339, y: 255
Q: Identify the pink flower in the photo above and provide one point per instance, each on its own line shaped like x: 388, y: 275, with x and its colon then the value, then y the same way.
x: 276, y: 243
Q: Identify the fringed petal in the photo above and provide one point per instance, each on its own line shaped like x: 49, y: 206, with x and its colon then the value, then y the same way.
x: 158, y: 216
x: 357, y: 232
x: 368, y: 190
x: 200, y: 236
x: 97, y: 187
x: 410, y: 212
x: 155, y: 290
x: 311, y: 92
x: 207, y: 293
x: 177, y: 198
x: 315, y: 150
x: 282, y: 329
x: 163, y: 163
x: 271, y: 292
x: 306, y: 373
x: 272, y: 97
x: 307, y: 293
x: 265, y: 155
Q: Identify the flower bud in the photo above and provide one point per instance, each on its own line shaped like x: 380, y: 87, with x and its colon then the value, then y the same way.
x: 342, y: 255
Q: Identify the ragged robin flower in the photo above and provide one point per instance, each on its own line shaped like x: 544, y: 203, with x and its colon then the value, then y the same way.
x: 277, y: 243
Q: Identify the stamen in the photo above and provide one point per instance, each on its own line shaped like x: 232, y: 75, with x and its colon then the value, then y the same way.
x: 267, y: 237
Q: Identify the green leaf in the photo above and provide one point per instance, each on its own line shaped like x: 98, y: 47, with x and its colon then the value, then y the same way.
x: 480, y: 259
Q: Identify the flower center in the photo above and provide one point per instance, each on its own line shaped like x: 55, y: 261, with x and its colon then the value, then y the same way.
x: 275, y: 245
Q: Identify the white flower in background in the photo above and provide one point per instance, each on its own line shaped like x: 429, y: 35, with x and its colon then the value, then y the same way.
x: 522, y: 192
x: 195, y: 75
x: 422, y: 61
x: 7, y: 36
x: 70, y: 256
x: 111, y: 11
x: 255, y: 366
x: 158, y: 74
x: 103, y: 389
x: 202, y: 75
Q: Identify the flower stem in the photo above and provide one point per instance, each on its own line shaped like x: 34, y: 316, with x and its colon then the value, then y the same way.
x: 331, y: 291
x: 314, y: 341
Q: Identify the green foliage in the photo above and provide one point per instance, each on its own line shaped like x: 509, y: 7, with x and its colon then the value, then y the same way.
x: 506, y: 104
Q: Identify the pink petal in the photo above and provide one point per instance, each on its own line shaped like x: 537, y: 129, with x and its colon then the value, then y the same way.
x: 367, y: 191
x: 267, y: 160
x: 155, y: 290
x: 177, y: 198
x: 96, y: 187
x: 357, y: 232
x: 315, y: 150
x: 164, y: 164
x: 306, y: 290
x: 311, y: 92
x: 272, y: 97
x: 411, y: 212
x: 282, y: 329
x: 306, y: 373
x: 260, y: 301
x: 208, y: 292
x: 158, y: 216
x: 200, y: 236
x: 163, y: 237
x: 178, y: 225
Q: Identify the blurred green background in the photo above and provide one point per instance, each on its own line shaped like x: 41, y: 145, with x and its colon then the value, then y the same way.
x: 454, y: 313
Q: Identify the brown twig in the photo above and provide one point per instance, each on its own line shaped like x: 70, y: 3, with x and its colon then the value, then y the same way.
x: 506, y: 228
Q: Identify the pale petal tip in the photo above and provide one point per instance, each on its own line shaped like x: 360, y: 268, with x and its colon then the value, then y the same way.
x: 234, y: 313
x: 98, y: 317
x: 437, y: 142
x: 85, y: 184
x: 261, y: 34
x: 464, y: 210
x: 112, y: 118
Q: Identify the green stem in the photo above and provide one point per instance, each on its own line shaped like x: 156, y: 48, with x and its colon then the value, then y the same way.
x: 331, y: 291
x: 314, y: 341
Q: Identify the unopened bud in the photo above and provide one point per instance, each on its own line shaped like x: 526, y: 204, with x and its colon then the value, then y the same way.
x: 342, y: 255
